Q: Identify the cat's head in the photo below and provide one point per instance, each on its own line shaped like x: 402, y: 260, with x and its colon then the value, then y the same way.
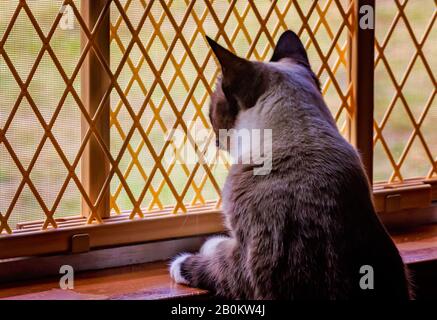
x: 243, y: 82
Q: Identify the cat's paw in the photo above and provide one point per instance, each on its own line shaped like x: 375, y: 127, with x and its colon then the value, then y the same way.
x: 175, y: 268
x: 211, y: 244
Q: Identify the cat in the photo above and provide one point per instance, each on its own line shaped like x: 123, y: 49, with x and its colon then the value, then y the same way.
x: 308, y: 229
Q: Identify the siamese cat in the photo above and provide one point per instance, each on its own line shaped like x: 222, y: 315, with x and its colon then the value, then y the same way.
x: 307, y: 229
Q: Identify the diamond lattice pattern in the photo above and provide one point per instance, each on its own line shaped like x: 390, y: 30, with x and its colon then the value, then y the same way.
x: 405, y: 89
x: 161, y: 73
x: 169, y: 75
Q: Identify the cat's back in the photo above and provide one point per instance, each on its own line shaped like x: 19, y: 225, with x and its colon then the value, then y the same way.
x: 317, y: 201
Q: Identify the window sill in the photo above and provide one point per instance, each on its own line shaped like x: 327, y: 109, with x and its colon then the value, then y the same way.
x: 75, y: 236
x: 418, y: 245
x: 151, y: 280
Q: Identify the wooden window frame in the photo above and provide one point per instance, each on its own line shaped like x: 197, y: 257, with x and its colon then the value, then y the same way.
x: 95, y: 83
x: 388, y: 198
x: 74, y: 235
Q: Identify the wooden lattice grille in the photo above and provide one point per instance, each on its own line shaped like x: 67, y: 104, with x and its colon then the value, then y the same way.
x: 405, y: 89
x: 39, y: 118
x: 176, y: 51
x: 160, y: 73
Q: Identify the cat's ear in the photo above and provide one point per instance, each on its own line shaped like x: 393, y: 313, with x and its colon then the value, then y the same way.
x: 290, y: 46
x: 241, y: 82
x: 233, y: 67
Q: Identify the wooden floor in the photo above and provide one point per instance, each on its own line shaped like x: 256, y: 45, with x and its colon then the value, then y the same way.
x: 151, y: 281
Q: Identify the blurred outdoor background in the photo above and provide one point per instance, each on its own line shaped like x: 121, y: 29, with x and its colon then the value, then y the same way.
x: 396, y: 115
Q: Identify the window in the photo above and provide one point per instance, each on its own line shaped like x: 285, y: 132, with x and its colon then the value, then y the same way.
x: 94, y: 92
x: 405, y: 142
